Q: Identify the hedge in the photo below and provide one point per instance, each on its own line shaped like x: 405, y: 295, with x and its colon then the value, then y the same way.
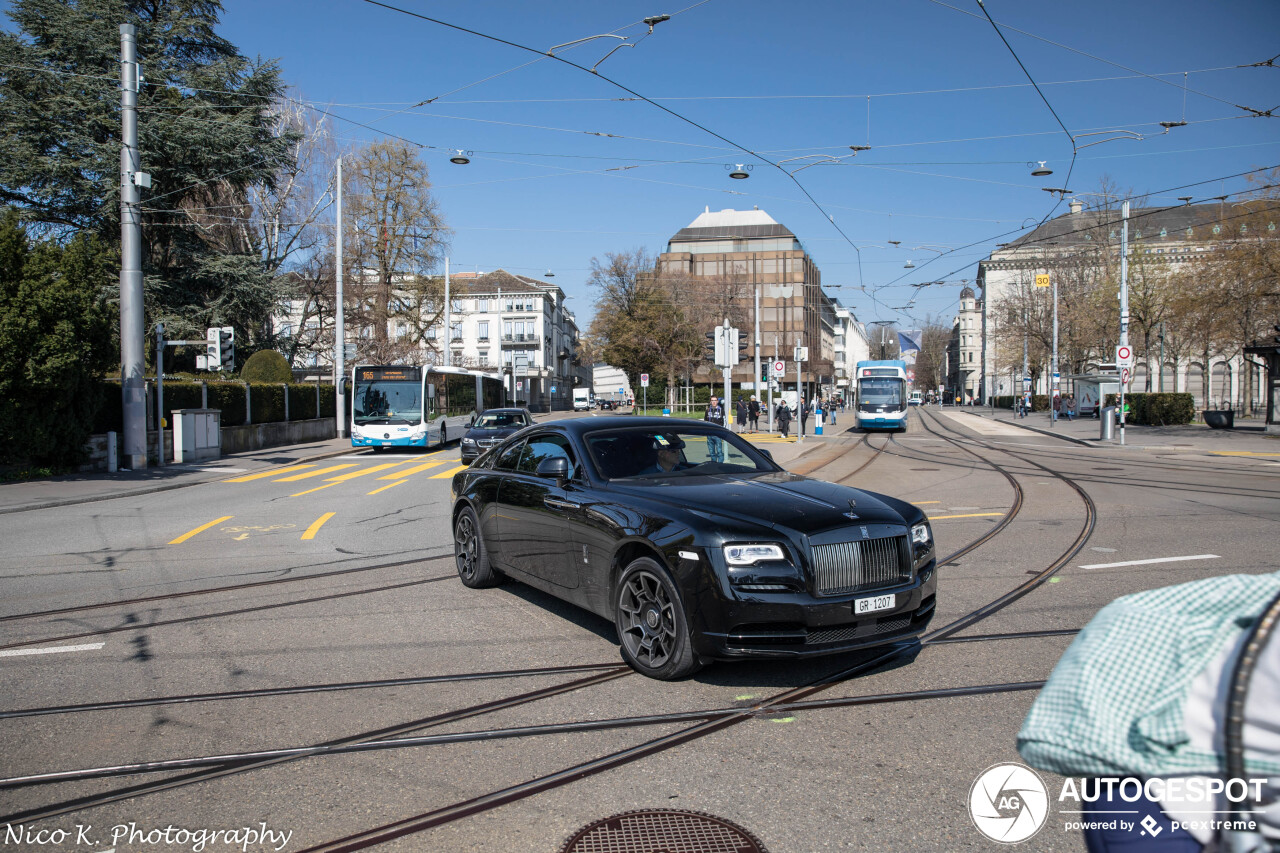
x: 1157, y: 409
x: 267, y: 401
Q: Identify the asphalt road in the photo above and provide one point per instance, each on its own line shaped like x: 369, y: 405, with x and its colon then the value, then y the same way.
x: 339, y: 574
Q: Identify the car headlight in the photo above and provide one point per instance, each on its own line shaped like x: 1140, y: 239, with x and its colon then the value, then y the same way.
x: 468, y: 441
x: 921, y: 544
x: 922, y: 535
x: 748, y: 555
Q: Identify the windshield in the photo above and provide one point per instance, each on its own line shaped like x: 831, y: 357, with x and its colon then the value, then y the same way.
x: 500, y: 420
x: 661, y: 452
x: 879, y: 392
x: 387, y: 402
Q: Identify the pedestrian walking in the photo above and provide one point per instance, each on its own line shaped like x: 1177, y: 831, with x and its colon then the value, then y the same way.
x: 753, y: 413
x: 1057, y: 407
x: 740, y: 414
x: 830, y: 410
x: 1070, y: 406
x: 803, y: 412
x: 783, y: 416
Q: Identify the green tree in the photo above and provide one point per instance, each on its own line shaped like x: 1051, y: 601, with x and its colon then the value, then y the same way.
x: 206, y: 132
x: 266, y: 366
x: 55, y: 341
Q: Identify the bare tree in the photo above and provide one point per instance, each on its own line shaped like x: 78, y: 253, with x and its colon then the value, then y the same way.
x: 396, y: 236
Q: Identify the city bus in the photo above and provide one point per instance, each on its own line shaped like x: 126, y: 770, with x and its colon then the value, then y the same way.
x: 882, y: 395
x: 406, y: 406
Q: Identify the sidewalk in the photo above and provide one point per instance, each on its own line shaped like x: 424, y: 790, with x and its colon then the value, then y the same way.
x: 1245, y: 438
x: 97, y: 486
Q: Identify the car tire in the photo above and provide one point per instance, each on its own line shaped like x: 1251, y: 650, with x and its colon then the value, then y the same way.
x: 649, y: 616
x: 470, y: 554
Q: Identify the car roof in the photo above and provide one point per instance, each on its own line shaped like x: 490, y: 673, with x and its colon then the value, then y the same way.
x: 581, y: 426
x: 510, y: 410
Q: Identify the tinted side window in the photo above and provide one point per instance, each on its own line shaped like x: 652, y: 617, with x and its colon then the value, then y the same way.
x: 508, y: 459
x: 540, y: 447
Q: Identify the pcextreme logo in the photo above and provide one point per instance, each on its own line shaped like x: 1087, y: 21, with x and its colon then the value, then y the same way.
x: 1008, y: 803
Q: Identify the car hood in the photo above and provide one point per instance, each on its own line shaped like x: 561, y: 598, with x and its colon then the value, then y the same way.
x: 778, y: 499
x: 495, y: 432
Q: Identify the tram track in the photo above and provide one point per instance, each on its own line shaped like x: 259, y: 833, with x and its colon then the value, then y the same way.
x: 786, y: 699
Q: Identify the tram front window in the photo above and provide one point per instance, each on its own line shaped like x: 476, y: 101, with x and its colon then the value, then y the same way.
x: 879, y: 393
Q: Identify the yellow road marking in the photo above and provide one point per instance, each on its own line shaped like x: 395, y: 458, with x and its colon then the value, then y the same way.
x: 387, y: 486
x: 309, y: 491
x: 328, y: 470
x: 970, y: 515
x: 319, y: 522
x: 273, y: 472
x: 202, y: 528
x: 444, y: 475
x: 370, y: 470
x: 1239, y: 453
x: 417, y: 469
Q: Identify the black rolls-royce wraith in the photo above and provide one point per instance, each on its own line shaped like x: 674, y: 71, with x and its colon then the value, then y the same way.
x: 694, y: 542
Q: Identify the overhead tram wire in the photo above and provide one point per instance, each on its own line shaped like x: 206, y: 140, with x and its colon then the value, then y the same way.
x: 1153, y: 77
x: 1075, y: 151
x: 1132, y: 218
x: 670, y: 112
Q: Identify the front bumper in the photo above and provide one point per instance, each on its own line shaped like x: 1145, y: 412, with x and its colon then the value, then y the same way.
x: 393, y: 441
x: 796, y: 625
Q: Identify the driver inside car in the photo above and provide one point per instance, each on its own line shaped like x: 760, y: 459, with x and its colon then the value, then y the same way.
x: 669, y: 455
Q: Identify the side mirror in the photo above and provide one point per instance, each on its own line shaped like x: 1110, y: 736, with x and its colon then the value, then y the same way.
x: 766, y: 453
x: 553, y: 467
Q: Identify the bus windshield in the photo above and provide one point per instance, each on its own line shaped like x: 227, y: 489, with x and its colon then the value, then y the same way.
x: 387, y: 401
x: 879, y: 392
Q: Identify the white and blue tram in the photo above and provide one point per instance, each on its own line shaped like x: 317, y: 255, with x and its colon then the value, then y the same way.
x: 882, y: 395
x: 407, y: 406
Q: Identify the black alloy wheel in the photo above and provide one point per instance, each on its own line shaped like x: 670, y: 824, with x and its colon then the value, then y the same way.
x: 469, y: 552
x: 651, y: 624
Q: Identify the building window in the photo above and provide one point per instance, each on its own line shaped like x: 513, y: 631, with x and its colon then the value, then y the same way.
x: 483, y: 357
x: 482, y: 330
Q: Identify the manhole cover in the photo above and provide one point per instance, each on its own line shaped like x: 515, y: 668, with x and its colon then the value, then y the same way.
x: 663, y: 831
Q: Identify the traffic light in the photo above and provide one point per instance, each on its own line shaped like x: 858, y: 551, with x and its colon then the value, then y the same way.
x: 227, y: 348
x: 213, y: 348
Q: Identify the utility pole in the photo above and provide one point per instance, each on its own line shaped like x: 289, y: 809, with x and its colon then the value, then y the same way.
x: 132, y: 333
x: 1124, y: 300
x: 448, y: 328
x: 340, y: 346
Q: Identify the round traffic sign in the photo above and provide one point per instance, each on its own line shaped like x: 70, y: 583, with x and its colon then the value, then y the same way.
x: 779, y: 368
x: 1124, y: 353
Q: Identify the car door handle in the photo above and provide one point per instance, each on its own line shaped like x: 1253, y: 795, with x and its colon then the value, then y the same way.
x: 556, y: 503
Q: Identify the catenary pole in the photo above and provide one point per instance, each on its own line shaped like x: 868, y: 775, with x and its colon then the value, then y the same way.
x: 339, y: 356
x: 132, y: 333
x: 1124, y: 298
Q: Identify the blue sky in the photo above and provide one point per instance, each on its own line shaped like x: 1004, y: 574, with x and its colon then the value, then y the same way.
x: 566, y: 166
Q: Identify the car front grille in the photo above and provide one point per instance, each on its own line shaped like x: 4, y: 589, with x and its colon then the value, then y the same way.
x: 844, y: 567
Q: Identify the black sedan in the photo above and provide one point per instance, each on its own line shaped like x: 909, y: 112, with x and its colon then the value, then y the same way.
x: 694, y: 542
x: 490, y: 428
